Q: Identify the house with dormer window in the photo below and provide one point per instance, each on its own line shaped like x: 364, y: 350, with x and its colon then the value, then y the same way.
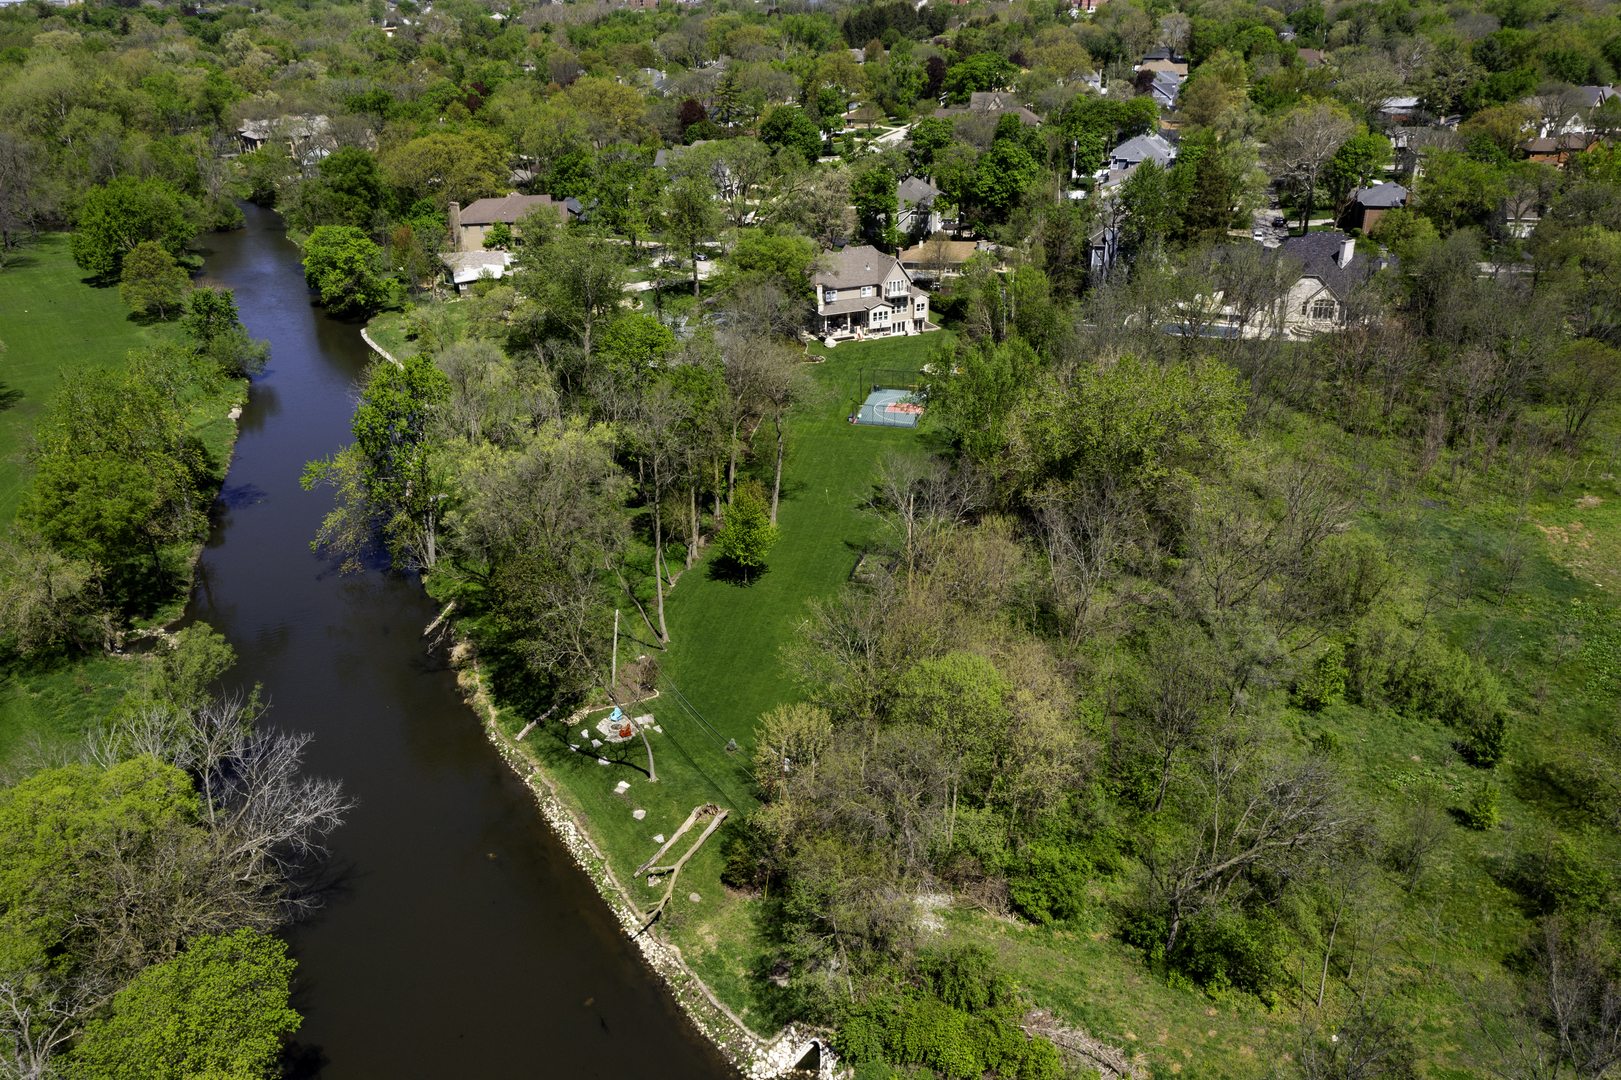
x: 864, y: 293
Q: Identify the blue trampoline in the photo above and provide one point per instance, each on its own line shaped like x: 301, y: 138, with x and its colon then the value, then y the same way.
x: 889, y: 408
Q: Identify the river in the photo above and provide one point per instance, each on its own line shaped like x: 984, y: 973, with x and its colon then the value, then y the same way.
x: 461, y: 940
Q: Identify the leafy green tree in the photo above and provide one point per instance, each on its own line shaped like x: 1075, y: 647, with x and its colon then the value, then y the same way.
x: 690, y: 217
x: 446, y: 167
x: 1152, y: 208
x: 106, y: 869
x: 982, y: 71
x: 574, y: 281
x: 1006, y: 173
x: 1357, y: 163
x: 391, y: 484
x: 783, y: 259
x: 636, y: 347
x: 151, y: 280
x: 789, y: 126
x: 95, y: 509
x: 748, y: 535
x: 874, y: 194
x: 125, y: 212
x: 209, y: 313
x: 219, y: 1009
x: 929, y: 138
x: 346, y: 269
x: 211, y: 318
x: 192, y: 663
x: 349, y: 191
x: 973, y: 402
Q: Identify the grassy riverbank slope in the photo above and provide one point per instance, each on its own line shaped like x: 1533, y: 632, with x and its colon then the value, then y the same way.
x: 1526, y: 587
x: 58, y: 324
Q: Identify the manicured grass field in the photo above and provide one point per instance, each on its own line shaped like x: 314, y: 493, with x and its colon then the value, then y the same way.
x: 54, y: 323
x: 725, y: 657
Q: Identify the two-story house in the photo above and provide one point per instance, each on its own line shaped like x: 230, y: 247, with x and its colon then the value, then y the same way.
x: 865, y: 293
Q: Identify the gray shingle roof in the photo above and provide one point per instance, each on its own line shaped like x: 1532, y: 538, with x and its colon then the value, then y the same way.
x: 915, y: 189
x: 1144, y: 148
x: 854, y: 267
x: 1386, y: 195
x: 1319, y: 255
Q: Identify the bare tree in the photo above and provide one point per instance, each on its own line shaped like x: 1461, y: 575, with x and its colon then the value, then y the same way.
x: 1176, y: 701
x: 1370, y: 1042
x: 40, y: 1012
x: 1564, y: 1018
x: 920, y: 498
x: 1302, y: 146
x: 1421, y: 826
x: 21, y: 197
x: 825, y: 209
x: 782, y: 384
x: 1083, y: 535
x: 1250, y: 811
x: 661, y: 414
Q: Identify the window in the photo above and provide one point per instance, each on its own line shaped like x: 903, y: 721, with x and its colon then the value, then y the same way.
x: 921, y: 306
x: 866, y: 290
x: 896, y: 288
x: 831, y: 295
x: 1323, y: 310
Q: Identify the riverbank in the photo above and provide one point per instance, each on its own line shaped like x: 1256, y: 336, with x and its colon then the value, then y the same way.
x: 756, y: 1057
x: 57, y: 325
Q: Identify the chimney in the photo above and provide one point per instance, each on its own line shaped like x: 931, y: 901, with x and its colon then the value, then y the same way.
x: 1347, y: 250
x: 455, y: 219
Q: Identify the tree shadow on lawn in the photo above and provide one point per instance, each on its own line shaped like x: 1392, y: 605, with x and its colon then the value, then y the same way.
x: 9, y: 397
x: 727, y: 569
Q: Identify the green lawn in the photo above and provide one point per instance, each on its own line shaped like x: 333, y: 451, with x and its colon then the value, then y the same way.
x: 54, y: 323
x: 725, y: 658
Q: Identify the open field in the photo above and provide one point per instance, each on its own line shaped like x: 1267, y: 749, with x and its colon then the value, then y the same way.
x: 725, y: 658
x: 54, y: 323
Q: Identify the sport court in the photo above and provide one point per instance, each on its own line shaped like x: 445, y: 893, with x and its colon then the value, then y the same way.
x: 889, y: 408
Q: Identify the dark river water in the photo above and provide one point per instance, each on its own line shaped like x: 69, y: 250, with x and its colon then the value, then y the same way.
x: 462, y: 942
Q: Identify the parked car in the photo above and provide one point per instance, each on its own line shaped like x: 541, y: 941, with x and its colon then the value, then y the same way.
x: 1278, y: 223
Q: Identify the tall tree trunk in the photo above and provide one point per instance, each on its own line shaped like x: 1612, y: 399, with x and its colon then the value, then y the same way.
x: 694, y: 270
x: 692, y: 535
x: 731, y: 468
x: 658, y: 555
x: 776, y: 487
x: 717, y: 513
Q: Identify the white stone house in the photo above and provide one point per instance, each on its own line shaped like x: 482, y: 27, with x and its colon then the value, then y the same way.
x: 1331, y: 271
x: 865, y: 293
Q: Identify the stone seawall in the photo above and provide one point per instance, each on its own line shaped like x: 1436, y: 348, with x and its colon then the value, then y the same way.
x: 754, y: 1057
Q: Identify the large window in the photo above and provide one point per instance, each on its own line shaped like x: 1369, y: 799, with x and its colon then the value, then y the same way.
x: 1323, y: 310
x: 895, y: 288
x: 831, y: 295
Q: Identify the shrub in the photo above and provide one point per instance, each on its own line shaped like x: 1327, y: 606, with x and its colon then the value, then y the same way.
x: 1481, y: 812
x: 1323, y: 683
x: 1221, y: 949
x: 1049, y: 883
x: 966, y: 977
x: 1448, y: 685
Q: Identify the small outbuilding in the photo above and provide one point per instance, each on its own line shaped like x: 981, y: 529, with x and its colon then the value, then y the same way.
x: 1369, y: 204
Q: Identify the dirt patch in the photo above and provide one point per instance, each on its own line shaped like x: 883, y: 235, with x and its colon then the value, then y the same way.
x: 1587, y: 502
x: 1574, y: 534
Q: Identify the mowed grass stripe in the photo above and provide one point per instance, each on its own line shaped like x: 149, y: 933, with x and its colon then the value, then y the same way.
x: 55, y: 324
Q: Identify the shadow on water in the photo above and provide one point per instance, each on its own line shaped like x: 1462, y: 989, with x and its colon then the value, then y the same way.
x: 459, y: 938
